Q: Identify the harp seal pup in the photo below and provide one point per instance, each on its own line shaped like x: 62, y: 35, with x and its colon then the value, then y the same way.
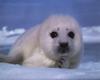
x: 57, y: 42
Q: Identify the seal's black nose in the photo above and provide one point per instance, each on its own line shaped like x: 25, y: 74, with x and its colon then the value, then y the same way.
x: 63, y: 45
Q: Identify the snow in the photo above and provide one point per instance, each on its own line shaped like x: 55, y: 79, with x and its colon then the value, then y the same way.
x: 9, y: 37
x: 91, y: 34
x: 89, y: 70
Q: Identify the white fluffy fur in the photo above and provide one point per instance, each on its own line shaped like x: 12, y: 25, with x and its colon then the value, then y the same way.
x: 38, y: 49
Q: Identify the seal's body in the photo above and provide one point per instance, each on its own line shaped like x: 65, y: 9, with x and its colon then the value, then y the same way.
x: 57, y: 42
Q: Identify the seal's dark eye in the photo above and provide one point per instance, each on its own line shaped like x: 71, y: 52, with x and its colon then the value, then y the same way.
x: 54, y: 34
x: 71, y: 34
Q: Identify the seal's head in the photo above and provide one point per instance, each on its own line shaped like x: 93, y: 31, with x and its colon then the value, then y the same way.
x: 60, y: 36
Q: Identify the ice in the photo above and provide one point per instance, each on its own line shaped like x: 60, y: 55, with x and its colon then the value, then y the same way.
x: 91, y: 34
x: 86, y: 71
x: 8, y: 37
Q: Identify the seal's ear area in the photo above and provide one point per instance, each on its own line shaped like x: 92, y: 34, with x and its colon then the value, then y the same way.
x: 71, y: 34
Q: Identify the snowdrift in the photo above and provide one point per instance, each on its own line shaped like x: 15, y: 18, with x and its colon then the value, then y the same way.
x: 86, y: 71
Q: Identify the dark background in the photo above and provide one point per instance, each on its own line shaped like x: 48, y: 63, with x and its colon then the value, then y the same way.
x: 27, y: 13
